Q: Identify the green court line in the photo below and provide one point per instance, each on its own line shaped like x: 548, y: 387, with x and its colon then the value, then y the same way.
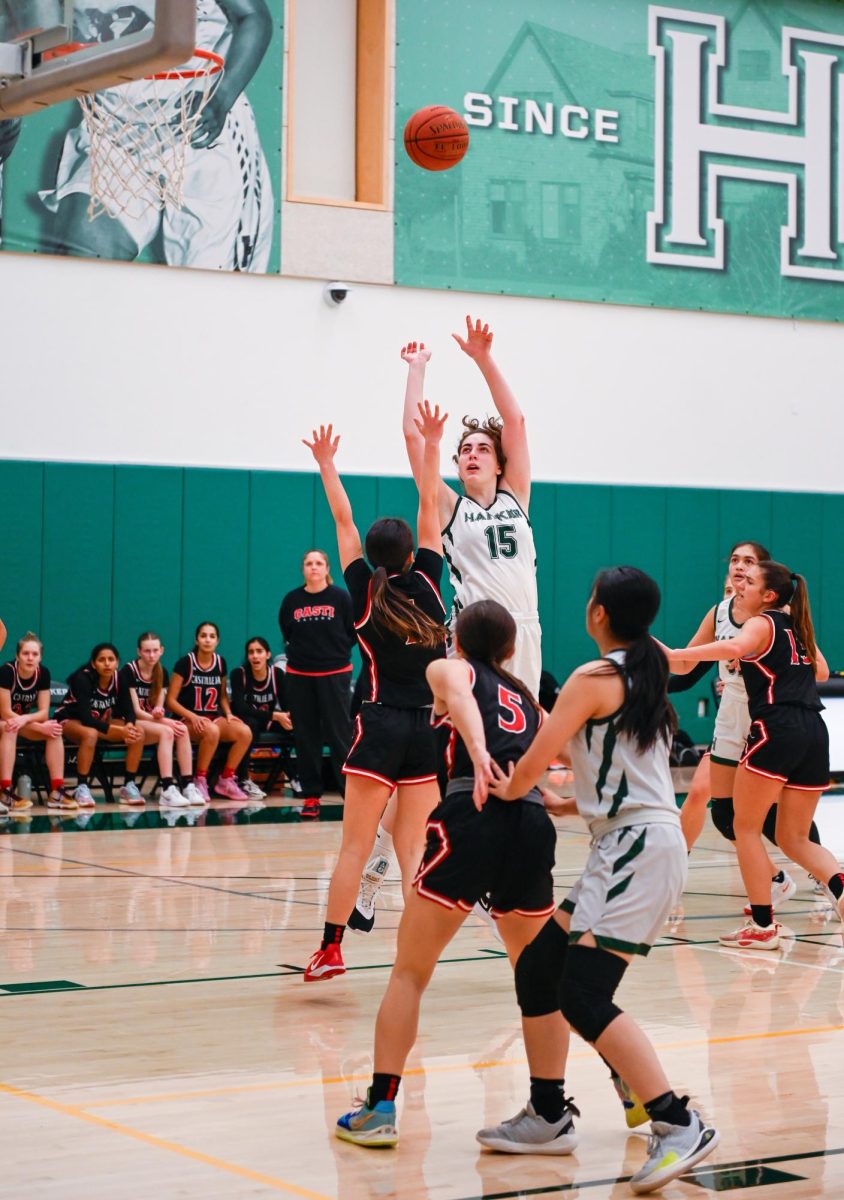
x: 48, y: 985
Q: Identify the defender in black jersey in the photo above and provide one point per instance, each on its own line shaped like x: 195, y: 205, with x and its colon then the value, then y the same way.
x: 476, y: 846
x: 786, y: 759
x: 198, y: 695
x: 94, y: 709
x: 258, y: 690
x: 25, y: 713
x: 399, y: 622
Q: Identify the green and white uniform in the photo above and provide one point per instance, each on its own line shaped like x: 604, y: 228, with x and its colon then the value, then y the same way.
x: 732, y: 721
x: 490, y: 554
x: 636, y: 870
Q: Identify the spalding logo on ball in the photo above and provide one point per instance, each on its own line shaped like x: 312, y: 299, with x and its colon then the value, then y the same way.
x: 436, y: 137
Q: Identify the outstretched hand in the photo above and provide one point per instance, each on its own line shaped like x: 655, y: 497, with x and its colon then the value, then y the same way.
x: 415, y: 353
x: 478, y: 341
x: 430, y: 424
x: 324, y: 446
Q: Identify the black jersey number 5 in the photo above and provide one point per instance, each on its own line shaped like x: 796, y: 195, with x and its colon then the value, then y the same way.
x: 501, y: 540
x: 511, y: 714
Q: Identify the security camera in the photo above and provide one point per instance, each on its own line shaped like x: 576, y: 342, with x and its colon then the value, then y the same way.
x: 336, y: 293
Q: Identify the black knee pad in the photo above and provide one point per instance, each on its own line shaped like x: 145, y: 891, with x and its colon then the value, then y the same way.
x: 539, y: 969
x: 590, y: 978
x: 769, y: 825
x: 723, y: 816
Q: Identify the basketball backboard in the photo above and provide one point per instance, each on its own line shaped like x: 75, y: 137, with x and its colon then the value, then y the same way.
x: 54, y: 50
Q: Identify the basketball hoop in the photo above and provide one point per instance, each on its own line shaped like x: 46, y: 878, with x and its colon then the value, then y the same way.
x: 140, y: 132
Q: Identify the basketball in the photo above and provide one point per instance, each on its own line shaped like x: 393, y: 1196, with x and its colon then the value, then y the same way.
x: 436, y: 137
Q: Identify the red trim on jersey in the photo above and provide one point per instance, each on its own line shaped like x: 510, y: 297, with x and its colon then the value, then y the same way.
x: 358, y: 736
x: 390, y: 783
x: 771, y: 677
x: 745, y: 758
x: 319, y: 674
x: 413, y: 780
x: 433, y: 588
x: 523, y: 912
x: 769, y: 647
x: 215, y: 666
x: 425, y: 868
x: 766, y: 774
x: 373, y: 670
x: 802, y: 787
x: 367, y: 611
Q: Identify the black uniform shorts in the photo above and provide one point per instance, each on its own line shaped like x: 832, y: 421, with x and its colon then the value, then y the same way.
x: 503, y: 855
x: 790, y: 743
x: 394, y: 745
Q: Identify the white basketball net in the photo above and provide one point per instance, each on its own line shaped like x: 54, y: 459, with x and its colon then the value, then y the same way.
x: 140, y: 134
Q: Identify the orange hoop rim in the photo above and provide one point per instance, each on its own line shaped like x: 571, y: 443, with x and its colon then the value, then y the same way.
x: 210, y: 56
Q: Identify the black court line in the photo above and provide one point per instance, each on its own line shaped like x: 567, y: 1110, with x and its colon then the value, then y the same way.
x: 288, y: 970
x: 690, y: 1177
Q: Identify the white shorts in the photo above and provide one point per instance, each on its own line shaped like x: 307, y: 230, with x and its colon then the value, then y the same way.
x: 526, y: 663
x: 732, y: 725
x: 226, y: 223
x: 633, y: 878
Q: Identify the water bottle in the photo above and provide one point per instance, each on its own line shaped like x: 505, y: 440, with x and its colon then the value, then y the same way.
x: 24, y: 788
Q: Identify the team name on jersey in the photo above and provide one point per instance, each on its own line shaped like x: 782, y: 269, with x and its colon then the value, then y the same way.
x: 23, y: 696
x: 314, y: 612
x: 506, y: 514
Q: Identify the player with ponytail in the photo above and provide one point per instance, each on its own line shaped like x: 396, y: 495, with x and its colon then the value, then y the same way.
x: 613, y: 718
x: 399, y: 619
x: 786, y: 758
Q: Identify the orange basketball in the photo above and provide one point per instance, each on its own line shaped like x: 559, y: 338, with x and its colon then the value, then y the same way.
x: 436, y: 137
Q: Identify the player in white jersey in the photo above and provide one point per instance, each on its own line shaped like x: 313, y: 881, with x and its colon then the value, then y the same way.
x: 613, y: 715
x: 487, y: 536
x: 226, y: 222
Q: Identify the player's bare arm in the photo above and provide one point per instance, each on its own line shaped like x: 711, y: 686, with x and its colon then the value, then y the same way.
x: 477, y: 345
x: 430, y: 426
x: 417, y: 357
x: 324, y: 447
x: 451, y: 685
x: 252, y: 29
x: 2, y: 635
x: 9, y: 131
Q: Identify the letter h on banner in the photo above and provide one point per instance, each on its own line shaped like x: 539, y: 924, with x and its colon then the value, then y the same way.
x: 699, y: 141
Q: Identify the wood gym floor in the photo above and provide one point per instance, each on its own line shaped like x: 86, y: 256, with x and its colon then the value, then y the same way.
x: 159, y: 1039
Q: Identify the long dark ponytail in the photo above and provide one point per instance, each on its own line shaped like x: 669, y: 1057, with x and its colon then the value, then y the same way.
x: 389, y: 544
x: 631, y: 600
x: 791, y: 590
x: 486, y: 631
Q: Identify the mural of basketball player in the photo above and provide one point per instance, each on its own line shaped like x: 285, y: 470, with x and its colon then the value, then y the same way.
x: 9, y: 131
x: 226, y: 222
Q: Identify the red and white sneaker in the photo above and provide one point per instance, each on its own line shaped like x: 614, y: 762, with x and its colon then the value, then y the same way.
x: 780, y: 892
x: 325, y: 963
x: 751, y: 936
x: 310, y: 810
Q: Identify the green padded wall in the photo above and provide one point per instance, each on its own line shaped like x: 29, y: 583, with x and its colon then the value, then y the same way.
x: 101, y: 553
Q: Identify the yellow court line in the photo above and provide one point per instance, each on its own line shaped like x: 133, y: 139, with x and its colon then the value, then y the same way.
x: 70, y: 1110
x: 323, y: 1080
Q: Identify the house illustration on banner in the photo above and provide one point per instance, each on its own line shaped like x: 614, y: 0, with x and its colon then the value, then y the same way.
x: 544, y: 205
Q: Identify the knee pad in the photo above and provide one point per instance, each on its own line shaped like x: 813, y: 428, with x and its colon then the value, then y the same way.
x: 539, y: 969
x: 769, y: 826
x: 590, y: 978
x: 723, y: 816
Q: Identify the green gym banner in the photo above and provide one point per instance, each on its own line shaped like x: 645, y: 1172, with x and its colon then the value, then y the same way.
x: 231, y: 181
x: 685, y: 156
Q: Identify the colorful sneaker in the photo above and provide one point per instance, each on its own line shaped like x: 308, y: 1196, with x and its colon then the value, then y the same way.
x: 171, y: 797
x: 201, y: 785
x: 780, y: 892
x: 62, y: 799
x: 325, y: 964
x: 635, y: 1113
x: 672, y: 1151
x: 227, y: 787
x: 528, y: 1133
x: 363, y: 914
x: 367, y: 1126
x: 15, y: 803
x: 751, y: 936
x: 130, y: 794
x: 310, y: 810
x: 194, y: 796
x: 82, y: 796
x: 252, y: 791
